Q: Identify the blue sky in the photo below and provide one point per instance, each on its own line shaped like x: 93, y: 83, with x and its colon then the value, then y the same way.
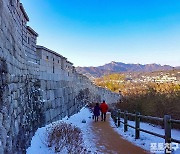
x: 95, y: 32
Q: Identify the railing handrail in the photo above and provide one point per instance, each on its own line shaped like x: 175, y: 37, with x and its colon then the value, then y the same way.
x: 151, y: 117
x: 175, y: 121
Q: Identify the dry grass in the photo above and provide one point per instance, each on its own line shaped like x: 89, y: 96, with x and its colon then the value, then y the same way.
x: 154, y: 104
x: 65, y: 136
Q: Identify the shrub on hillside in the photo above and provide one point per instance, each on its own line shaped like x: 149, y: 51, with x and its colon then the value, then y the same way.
x: 65, y: 137
x: 154, y: 104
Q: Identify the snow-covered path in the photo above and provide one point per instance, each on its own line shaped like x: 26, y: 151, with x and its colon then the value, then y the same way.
x: 99, y: 137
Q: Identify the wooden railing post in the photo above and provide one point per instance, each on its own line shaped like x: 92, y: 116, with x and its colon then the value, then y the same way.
x: 115, y: 118
x: 137, y: 125
x: 112, y: 114
x: 125, y: 121
x: 167, y: 128
x: 119, y: 118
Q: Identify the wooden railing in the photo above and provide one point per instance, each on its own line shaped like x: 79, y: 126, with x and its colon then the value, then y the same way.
x: 117, y: 115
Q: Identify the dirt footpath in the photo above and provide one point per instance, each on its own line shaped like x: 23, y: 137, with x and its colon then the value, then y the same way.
x: 110, y: 142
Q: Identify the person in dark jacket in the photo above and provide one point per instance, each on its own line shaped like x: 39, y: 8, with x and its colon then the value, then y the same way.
x: 104, y: 109
x: 96, y: 112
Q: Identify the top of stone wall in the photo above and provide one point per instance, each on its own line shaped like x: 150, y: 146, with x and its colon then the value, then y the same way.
x: 24, y: 12
x: 32, y: 31
x: 69, y: 62
x: 48, y: 50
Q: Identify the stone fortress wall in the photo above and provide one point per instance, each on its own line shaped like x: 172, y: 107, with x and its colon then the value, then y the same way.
x: 37, y: 85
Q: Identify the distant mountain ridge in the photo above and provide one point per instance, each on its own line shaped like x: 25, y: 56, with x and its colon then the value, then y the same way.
x: 119, y: 67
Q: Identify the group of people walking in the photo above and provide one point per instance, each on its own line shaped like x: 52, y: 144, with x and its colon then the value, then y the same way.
x: 103, y: 108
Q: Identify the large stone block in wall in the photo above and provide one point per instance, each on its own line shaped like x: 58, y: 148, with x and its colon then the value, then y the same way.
x: 52, y: 97
x: 7, y: 122
x: 3, y: 137
x: 57, y: 102
x: 47, y: 117
x: 43, y: 84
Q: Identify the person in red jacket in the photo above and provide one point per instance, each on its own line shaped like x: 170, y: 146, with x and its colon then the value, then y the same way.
x: 104, y: 109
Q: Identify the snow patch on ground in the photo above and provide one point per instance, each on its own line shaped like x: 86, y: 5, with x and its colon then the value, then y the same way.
x: 38, y: 145
x: 145, y: 139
